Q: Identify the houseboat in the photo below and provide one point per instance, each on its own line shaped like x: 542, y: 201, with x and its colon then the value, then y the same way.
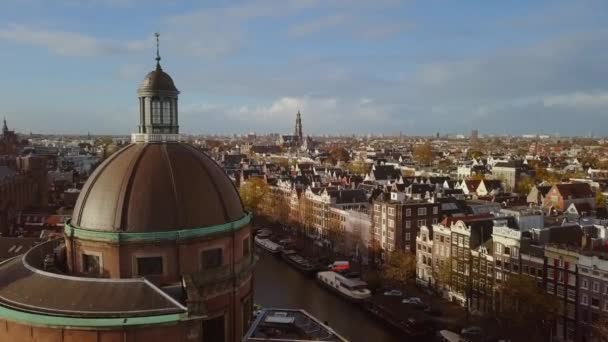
x: 299, y: 262
x: 353, y: 289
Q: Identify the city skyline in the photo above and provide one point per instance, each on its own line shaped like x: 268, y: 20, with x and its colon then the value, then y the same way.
x: 384, y: 67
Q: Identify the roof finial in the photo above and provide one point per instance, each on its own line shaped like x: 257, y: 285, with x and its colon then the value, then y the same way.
x: 157, y: 35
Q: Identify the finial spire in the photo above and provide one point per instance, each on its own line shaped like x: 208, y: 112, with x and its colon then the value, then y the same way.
x: 157, y: 35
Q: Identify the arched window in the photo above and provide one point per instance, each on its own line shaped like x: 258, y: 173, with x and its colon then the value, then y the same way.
x: 155, y: 111
x: 167, y: 111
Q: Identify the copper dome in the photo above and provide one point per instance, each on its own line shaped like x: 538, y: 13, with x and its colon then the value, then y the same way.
x: 154, y: 188
x: 158, y: 80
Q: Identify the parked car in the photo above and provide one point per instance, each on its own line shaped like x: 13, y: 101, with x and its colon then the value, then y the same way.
x: 395, y: 293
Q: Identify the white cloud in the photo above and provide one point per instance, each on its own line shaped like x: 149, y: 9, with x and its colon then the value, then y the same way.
x: 66, y: 43
x: 577, y: 99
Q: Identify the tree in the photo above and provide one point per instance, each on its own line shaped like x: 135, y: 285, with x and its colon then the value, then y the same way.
x: 524, y: 185
x: 338, y: 154
x: 400, y: 267
x: 335, y: 231
x: 442, y: 273
x: 521, y: 303
x: 424, y: 154
x: 600, y: 200
x: 358, y: 167
x: 445, y: 165
x: 599, y: 329
x: 253, y: 192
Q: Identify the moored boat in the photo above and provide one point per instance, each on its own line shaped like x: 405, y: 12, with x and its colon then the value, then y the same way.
x: 353, y: 289
x: 268, y: 245
x: 299, y: 262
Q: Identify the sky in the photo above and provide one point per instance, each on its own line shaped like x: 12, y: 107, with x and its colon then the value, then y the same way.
x: 350, y: 66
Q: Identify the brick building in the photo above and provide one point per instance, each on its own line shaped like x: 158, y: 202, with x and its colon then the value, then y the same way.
x: 395, y: 224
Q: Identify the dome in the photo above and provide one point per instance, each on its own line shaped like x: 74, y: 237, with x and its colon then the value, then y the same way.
x: 151, y: 187
x: 158, y: 80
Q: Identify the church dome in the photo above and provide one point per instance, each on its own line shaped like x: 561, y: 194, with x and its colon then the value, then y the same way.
x: 158, y: 80
x: 151, y: 187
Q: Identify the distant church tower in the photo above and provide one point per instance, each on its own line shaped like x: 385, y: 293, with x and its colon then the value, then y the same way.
x: 158, y: 102
x: 4, y: 128
x: 298, y: 132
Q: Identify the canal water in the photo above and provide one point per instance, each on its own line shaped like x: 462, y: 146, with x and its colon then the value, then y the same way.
x: 278, y: 285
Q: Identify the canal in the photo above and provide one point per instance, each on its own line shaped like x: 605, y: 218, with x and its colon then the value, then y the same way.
x: 277, y: 285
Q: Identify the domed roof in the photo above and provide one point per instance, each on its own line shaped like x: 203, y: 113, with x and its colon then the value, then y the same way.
x: 158, y: 80
x: 154, y: 188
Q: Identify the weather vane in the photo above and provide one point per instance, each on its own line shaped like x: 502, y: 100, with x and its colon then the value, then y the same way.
x: 157, y: 35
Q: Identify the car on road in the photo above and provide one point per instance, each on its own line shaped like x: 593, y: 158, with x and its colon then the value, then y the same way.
x: 395, y: 293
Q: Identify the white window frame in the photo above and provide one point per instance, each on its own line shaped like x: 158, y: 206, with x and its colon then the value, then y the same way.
x: 421, y: 211
x: 408, y: 212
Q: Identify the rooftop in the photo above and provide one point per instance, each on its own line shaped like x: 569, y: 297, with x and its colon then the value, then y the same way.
x: 289, y: 325
x: 27, y: 286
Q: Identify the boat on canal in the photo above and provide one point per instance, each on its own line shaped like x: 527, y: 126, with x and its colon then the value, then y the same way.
x: 299, y: 262
x: 268, y: 245
x: 353, y: 289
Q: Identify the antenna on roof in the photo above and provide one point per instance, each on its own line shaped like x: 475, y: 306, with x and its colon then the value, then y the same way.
x: 157, y: 35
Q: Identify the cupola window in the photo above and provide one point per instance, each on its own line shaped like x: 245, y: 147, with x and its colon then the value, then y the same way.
x: 156, y: 111
x: 167, y: 111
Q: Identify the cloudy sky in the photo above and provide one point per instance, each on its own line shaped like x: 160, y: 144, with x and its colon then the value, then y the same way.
x: 350, y: 66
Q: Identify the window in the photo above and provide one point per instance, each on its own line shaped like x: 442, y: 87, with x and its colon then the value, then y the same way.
x: 246, y: 246
x: 441, y: 238
x: 507, y: 251
x: 421, y: 223
x: 435, y: 221
x: 498, y: 248
x: 148, y: 266
x: 391, y: 211
x: 391, y: 223
x: 91, y: 264
x: 408, y: 224
x: 407, y: 236
x: 383, y: 209
x: 166, y: 111
x: 435, y: 210
x: 606, y: 305
x: 595, y: 302
x: 584, y: 284
x: 571, y: 295
x: 376, y: 207
x: 155, y: 111
x: 408, y: 212
x: 596, y: 286
x: 211, y: 258
x: 421, y: 211
x: 550, y: 288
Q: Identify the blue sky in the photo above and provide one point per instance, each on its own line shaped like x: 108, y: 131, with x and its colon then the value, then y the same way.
x: 350, y: 66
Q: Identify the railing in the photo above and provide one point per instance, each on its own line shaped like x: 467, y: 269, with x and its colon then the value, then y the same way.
x: 157, y: 137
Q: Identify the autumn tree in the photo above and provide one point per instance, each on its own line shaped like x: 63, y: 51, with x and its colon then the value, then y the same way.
x: 335, y: 231
x: 400, y: 267
x: 424, y: 154
x: 442, y: 273
x: 253, y: 192
x: 600, y: 200
x: 338, y: 154
x: 358, y: 167
x: 521, y: 305
x: 446, y: 165
x: 524, y: 185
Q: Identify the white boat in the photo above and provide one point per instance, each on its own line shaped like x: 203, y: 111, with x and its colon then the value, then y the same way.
x: 353, y: 289
x: 268, y: 245
x: 449, y: 336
